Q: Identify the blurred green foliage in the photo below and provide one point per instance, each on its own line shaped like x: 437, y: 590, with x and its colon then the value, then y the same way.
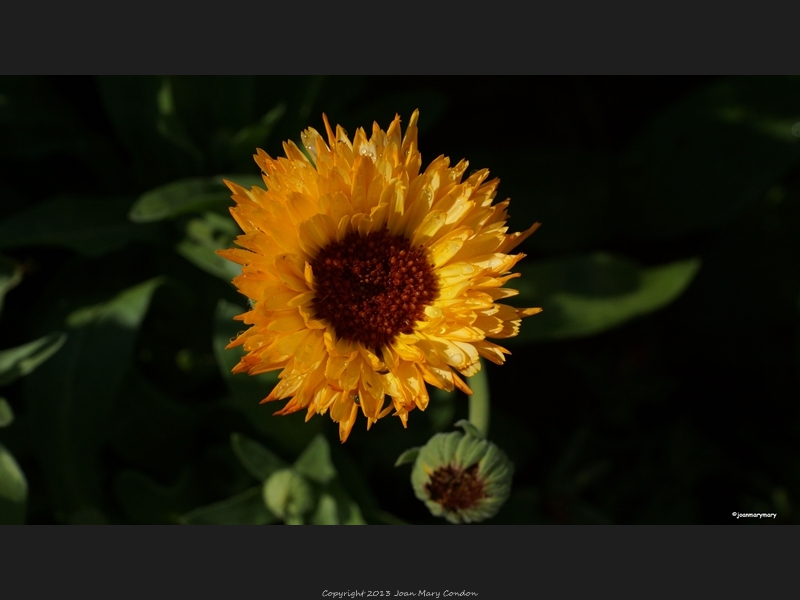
x: 659, y: 385
x: 591, y: 293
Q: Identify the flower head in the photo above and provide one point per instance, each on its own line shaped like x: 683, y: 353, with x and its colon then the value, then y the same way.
x: 367, y: 278
x: 461, y: 476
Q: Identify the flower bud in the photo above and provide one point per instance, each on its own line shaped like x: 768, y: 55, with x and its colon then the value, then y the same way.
x: 461, y: 476
x: 287, y: 494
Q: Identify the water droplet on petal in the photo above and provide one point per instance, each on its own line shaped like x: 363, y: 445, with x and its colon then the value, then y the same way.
x: 426, y: 195
x: 455, y: 357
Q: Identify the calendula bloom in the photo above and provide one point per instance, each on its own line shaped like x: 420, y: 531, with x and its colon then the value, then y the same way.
x: 367, y: 278
x: 461, y: 476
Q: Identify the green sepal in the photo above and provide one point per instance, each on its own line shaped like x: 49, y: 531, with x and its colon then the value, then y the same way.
x: 409, y: 456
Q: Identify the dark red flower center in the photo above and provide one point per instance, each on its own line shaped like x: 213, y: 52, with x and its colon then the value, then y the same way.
x: 455, y: 488
x: 373, y: 287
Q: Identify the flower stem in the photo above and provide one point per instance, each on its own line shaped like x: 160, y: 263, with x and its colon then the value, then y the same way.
x: 479, y: 406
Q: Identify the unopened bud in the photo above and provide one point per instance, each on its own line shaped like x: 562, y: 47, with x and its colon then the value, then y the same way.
x: 462, y: 477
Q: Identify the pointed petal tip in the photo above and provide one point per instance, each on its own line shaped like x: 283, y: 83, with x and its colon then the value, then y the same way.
x: 461, y: 385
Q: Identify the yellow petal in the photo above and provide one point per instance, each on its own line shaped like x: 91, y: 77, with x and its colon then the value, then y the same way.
x: 447, y: 246
x: 430, y: 225
x: 292, y: 322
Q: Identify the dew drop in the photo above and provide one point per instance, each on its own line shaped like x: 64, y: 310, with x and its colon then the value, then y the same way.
x: 368, y: 150
x: 426, y: 195
x: 495, y: 262
x: 455, y: 357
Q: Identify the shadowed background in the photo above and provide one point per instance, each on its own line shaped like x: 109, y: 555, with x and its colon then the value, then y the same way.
x: 659, y: 385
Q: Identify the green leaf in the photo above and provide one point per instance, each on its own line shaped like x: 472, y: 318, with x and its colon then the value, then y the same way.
x: 407, y: 457
x: 185, y: 196
x: 10, y: 276
x: 246, y: 508
x: 699, y: 163
x: 258, y: 460
x: 288, y: 492
x: 204, y: 236
x: 335, y: 507
x: 290, y: 433
x: 326, y: 512
x: 6, y: 414
x: 205, y: 257
x: 71, y: 397
x: 91, y: 226
x: 585, y: 295
x: 315, y: 461
x: 19, y: 361
x: 13, y: 490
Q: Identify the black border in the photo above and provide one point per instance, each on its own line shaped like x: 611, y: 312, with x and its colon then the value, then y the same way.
x: 411, y: 38
x: 497, y: 563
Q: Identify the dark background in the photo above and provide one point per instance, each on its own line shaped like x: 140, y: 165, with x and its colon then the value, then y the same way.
x: 683, y: 412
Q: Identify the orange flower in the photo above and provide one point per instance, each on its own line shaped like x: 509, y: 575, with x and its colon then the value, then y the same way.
x: 368, y: 278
